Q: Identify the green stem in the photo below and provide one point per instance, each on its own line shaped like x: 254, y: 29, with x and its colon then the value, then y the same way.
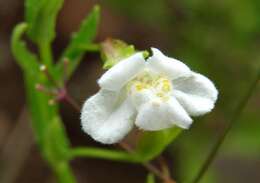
x: 46, y: 54
x: 103, y: 154
x: 90, y: 47
x: 62, y: 168
x: 222, y: 137
x: 64, y: 173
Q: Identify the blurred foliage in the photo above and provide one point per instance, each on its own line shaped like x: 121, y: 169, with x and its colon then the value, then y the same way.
x: 146, y: 11
x: 41, y: 18
x: 219, y: 39
x: 79, y: 40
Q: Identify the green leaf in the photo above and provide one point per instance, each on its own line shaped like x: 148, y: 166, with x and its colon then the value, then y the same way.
x: 80, y: 40
x: 150, y: 178
x: 114, y: 50
x: 46, y: 123
x: 42, y: 113
x: 47, y: 127
x: 152, y: 144
x: 41, y: 18
x: 27, y: 61
x: 37, y: 101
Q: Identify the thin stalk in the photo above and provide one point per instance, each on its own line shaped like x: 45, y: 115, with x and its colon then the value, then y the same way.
x: 149, y: 166
x: 222, y: 137
x: 72, y: 102
x: 158, y: 173
x: 101, y: 153
x: 164, y: 167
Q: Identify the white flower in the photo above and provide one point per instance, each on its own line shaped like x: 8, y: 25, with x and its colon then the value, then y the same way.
x: 153, y: 94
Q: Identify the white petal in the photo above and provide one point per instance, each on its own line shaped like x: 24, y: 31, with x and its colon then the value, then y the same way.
x: 170, y: 67
x: 116, y: 77
x: 158, y: 115
x: 106, y: 119
x: 197, y: 94
x: 138, y: 98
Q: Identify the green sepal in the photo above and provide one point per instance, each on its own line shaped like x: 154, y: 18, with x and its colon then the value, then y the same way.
x: 151, y: 144
x: 114, y: 50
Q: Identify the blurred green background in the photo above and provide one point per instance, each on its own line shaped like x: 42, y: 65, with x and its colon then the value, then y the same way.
x: 220, y: 39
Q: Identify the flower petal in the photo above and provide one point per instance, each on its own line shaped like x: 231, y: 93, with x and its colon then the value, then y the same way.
x: 197, y: 94
x: 158, y: 115
x: 138, y: 98
x: 106, y: 119
x: 167, y: 66
x: 121, y: 73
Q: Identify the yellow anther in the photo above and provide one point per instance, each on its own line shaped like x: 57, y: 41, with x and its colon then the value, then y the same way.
x: 166, y: 87
x: 139, y: 86
x: 158, y: 84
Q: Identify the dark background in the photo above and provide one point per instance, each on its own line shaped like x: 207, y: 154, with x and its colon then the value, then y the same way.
x: 219, y: 38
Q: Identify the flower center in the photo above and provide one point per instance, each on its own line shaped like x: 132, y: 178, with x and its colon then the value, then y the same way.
x: 159, y: 85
